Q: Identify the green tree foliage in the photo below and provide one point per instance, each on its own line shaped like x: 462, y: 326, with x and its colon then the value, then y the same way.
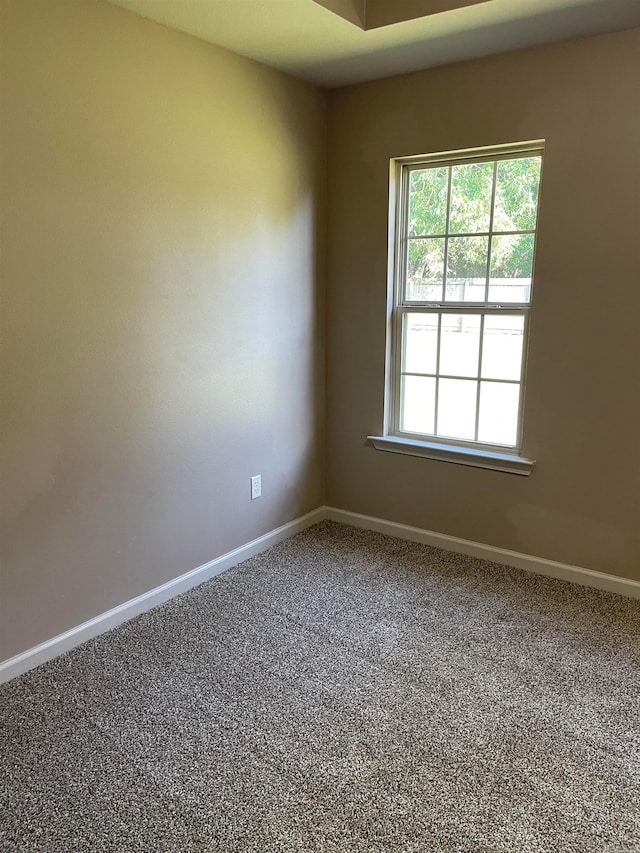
x: 428, y: 201
x: 471, y: 186
x: 471, y: 190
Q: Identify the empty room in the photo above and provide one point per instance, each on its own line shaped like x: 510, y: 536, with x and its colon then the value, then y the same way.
x: 320, y: 426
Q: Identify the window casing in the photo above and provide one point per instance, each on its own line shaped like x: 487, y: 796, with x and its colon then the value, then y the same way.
x: 464, y: 241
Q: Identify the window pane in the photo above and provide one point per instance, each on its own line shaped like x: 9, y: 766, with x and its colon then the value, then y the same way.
x: 420, y: 343
x: 498, y: 422
x: 502, y: 347
x: 425, y: 269
x: 459, y: 343
x: 457, y: 408
x: 471, y: 187
x: 517, y: 184
x: 467, y: 269
x: 511, y: 268
x: 428, y: 201
x: 418, y: 404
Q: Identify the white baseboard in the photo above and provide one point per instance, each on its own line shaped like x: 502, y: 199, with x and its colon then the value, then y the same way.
x: 537, y: 565
x: 50, y: 649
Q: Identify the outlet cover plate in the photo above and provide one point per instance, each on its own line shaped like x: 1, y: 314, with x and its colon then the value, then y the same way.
x: 256, y: 486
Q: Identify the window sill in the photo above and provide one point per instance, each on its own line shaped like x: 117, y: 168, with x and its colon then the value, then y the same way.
x: 509, y: 463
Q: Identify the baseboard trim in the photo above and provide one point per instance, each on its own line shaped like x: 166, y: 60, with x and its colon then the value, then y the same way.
x: 21, y: 663
x: 536, y: 565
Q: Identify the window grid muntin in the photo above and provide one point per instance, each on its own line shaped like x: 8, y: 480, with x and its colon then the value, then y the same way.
x: 471, y: 234
x: 402, y: 305
x: 489, y: 252
x: 480, y: 357
x: 444, y: 274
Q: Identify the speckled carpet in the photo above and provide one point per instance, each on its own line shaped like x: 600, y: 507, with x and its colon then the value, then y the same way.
x: 344, y: 691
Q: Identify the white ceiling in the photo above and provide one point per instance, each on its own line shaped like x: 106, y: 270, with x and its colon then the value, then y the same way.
x: 308, y: 41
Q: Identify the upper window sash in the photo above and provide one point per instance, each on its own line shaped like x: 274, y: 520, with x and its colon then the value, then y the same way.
x: 403, y: 239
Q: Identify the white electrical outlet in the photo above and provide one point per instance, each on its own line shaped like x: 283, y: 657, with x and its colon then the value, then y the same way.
x: 256, y: 486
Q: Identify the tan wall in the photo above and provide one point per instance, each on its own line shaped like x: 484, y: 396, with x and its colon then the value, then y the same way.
x: 351, y: 10
x: 162, y: 228
x: 381, y: 13
x: 582, y: 421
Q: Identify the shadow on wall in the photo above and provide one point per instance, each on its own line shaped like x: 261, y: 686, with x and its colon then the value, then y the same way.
x: 163, y: 216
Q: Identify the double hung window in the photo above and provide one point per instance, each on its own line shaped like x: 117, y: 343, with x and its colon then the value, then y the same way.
x: 465, y: 232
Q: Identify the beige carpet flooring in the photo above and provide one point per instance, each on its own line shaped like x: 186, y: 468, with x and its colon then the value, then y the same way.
x: 342, y: 692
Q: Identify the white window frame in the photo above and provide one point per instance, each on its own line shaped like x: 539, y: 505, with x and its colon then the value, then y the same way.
x: 474, y: 453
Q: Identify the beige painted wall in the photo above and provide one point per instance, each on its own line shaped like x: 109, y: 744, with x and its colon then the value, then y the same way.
x: 351, y: 10
x: 381, y: 13
x: 582, y: 419
x: 162, y: 245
